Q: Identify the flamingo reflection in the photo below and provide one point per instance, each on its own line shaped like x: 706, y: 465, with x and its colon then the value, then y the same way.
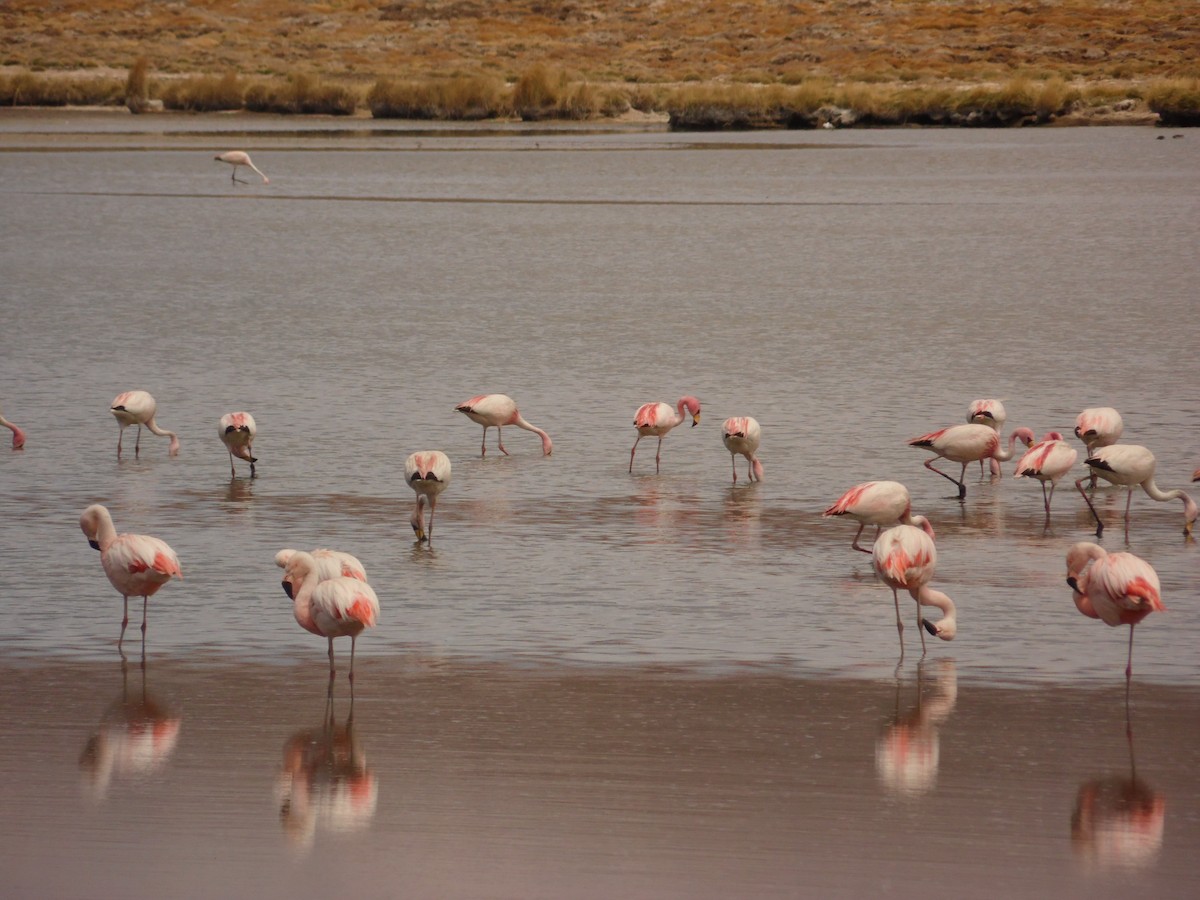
x: 136, y: 737
x: 325, y: 782
x: 906, y: 754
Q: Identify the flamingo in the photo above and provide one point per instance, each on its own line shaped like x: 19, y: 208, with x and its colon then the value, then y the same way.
x: 992, y: 414
x: 330, y: 563
x: 1195, y: 475
x: 659, y: 418
x: 1099, y: 426
x: 334, y: 608
x: 1130, y: 466
x: 136, y: 564
x: 1048, y: 460
x: 498, y: 410
x: 237, y: 431
x: 427, y: 473
x: 18, y: 436
x: 237, y: 158
x: 877, y: 503
x: 741, y: 434
x: 904, y: 556
x: 1116, y: 588
x: 138, y: 408
x: 967, y: 443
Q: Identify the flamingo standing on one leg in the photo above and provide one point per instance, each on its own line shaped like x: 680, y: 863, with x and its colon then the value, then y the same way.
x: 877, y: 503
x: 992, y: 414
x: 657, y: 419
x: 1130, y: 466
x: 330, y: 563
x: 136, y: 564
x: 237, y: 431
x: 334, y: 608
x: 1099, y: 426
x: 1117, y: 588
x: 18, y: 436
x: 238, y: 158
x: 904, y: 557
x: 1048, y: 460
x: 498, y: 410
x: 967, y: 443
x: 741, y: 434
x: 427, y: 473
x: 138, y: 408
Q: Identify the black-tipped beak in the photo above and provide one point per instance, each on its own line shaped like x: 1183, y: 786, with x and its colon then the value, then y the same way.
x: 95, y: 545
x: 287, y: 589
x: 1073, y: 583
x: 928, y: 626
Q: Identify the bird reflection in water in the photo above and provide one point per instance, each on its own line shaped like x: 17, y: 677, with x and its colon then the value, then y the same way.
x: 325, y: 783
x: 1117, y: 822
x: 906, y: 754
x: 136, y: 737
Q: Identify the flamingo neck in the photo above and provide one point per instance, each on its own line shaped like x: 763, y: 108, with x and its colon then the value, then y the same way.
x: 947, y: 626
x: 547, y: 444
x: 1155, y: 493
x: 106, y: 532
x: 162, y: 432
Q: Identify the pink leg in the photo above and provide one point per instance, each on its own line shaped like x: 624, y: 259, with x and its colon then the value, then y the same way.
x: 1088, y: 501
x: 500, y: 440
x: 633, y: 451
x: 137, y: 444
x: 857, y: 535
x: 124, y: 622
x: 353, y: 639
x: 899, y: 624
x: 483, y: 446
x: 733, y: 459
x: 120, y: 435
x: 145, y: 602
x: 1129, y: 661
x: 657, y: 456
x: 332, y: 670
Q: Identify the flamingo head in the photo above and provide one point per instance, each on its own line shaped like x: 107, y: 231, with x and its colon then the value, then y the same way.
x: 18, y: 439
x: 287, y: 588
x: 418, y: 520
x: 282, y: 557
x: 300, y: 566
x: 1022, y: 434
x: 946, y: 629
x: 547, y: 445
x: 692, y: 405
x: 89, y: 524
x: 1189, y: 513
x: 1052, y: 436
x: 924, y: 524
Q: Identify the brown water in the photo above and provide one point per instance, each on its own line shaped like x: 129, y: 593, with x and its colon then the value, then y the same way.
x: 594, y: 682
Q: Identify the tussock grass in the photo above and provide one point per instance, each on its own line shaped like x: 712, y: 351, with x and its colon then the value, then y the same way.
x: 204, y: 93
x: 33, y: 89
x: 304, y: 94
x: 465, y: 98
x: 137, y: 86
x: 1177, y: 101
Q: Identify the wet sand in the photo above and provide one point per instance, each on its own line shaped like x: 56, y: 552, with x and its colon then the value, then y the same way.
x: 458, y: 779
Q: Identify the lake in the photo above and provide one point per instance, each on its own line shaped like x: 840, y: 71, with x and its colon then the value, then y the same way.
x: 592, y: 681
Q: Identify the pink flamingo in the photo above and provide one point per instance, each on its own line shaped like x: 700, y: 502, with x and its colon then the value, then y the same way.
x: 338, y: 607
x: 992, y: 414
x: 967, y: 443
x: 1130, y: 466
x: 1116, y: 588
x: 330, y: 563
x: 1048, y: 460
x: 18, y: 436
x: 237, y: 431
x: 904, y: 557
x: 877, y: 503
x: 657, y: 419
x: 742, y: 435
x: 1098, y: 427
x: 238, y: 158
x: 1195, y: 475
x: 427, y: 473
x: 136, y: 564
x: 138, y: 408
x: 498, y: 410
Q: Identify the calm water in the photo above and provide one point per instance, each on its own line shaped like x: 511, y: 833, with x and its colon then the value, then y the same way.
x: 850, y: 290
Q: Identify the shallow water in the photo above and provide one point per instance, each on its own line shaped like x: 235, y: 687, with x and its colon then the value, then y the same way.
x: 849, y: 290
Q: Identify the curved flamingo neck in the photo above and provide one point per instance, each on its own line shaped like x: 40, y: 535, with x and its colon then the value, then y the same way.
x: 1007, y: 453
x: 106, y: 532
x: 547, y: 444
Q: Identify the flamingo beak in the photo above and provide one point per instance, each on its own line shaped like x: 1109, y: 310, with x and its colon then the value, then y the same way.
x: 930, y: 627
x: 695, y: 420
x: 287, y: 588
x: 95, y: 545
x: 1073, y: 583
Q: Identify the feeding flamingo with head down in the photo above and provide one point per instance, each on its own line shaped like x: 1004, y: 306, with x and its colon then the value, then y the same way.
x: 136, y: 564
x: 337, y: 607
x: 1048, y: 460
x: 18, y: 436
x: 330, y: 563
x: 237, y: 431
x: 138, y: 408
x: 496, y: 411
x: 427, y: 473
x: 742, y: 434
x: 239, y: 158
x: 1130, y: 466
x: 877, y: 503
x: 990, y: 413
x: 656, y: 419
x: 904, y: 557
x: 967, y: 443
x: 1117, y: 588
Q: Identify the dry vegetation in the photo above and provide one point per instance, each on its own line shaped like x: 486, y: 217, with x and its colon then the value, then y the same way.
x: 761, y: 61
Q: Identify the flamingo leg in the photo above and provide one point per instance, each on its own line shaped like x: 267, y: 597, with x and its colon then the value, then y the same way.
x: 483, y: 446
x: 633, y: 451
x: 1088, y: 501
x: 1128, y: 504
x: 250, y: 450
x: 657, y: 456
x: 429, y: 534
x: 124, y: 622
x: 1046, y: 498
x: 332, y: 669
x: 145, y: 603
x: 1129, y: 660
x: 120, y: 435
x: 733, y: 460
x: 137, y: 444
x: 232, y: 468
x: 899, y: 623
x: 962, y: 488
x: 500, y: 440
x: 353, y: 639
x: 858, y: 534
x: 920, y: 629
x: 995, y: 466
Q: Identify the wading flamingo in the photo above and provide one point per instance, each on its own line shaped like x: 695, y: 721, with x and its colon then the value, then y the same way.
x: 1130, y: 466
x: 498, y: 410
x: 237, y: 158
x: 657, y: 419
x: 330, y: 563
x: 138, y: 408
x: 136, y: 564
x: 1048, y: 460
x: 967, y: 443
x: 741, y: 434
x: 237, y: 431
x: 427, y: 473
x: 1099, y: 426
x: 1116, y: 588
x: 992, y: 414
x: 18, y: 436
x: 339, y: 607
x: 877, y: 503
x: 904, y: 557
